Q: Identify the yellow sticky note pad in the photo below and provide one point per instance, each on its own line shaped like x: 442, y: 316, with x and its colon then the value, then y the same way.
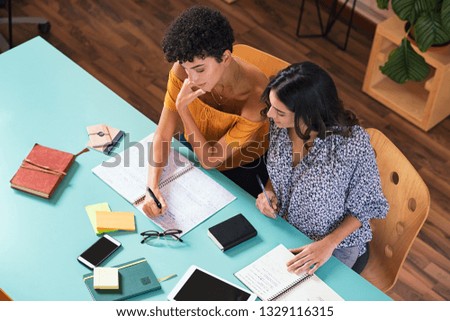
x: 106, y: 278
x: 115, y: 220
x: 91, y: 212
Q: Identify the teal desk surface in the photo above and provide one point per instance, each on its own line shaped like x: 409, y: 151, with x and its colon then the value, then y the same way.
x: 46, y: 98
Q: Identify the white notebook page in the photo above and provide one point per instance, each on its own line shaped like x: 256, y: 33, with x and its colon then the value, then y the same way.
x: 268, y: 276
x: 191, y: 198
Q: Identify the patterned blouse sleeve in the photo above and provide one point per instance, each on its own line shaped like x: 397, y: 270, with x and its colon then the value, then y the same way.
x: 365, y: 199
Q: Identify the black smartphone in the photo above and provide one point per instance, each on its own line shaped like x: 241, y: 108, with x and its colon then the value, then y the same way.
x: 99, y: 251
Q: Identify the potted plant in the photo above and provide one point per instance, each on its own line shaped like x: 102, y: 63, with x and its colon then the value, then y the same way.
x: 428, y: 23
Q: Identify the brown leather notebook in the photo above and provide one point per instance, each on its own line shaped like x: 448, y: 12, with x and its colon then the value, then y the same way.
x: 42, y: 170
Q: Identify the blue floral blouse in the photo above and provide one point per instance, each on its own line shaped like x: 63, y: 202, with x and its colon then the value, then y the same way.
x: 337, y: 177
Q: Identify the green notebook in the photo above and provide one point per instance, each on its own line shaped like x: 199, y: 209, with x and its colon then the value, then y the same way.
x: 135, y: 277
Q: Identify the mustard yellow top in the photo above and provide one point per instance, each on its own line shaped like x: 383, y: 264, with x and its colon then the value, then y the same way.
x: 251, y: 137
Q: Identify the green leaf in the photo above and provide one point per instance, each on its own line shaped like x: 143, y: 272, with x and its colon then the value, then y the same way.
x: 405, y: 64
x: 445, y: 16
x: 421, y: 6
x: 382, y: 4
x: 405, y: 9
x: 429, y: 31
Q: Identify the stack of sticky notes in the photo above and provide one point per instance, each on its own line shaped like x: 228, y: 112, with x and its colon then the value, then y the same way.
x: 103, y: 220
x: 92, y: 211
x: 106, y: 221
x: 106, y: 278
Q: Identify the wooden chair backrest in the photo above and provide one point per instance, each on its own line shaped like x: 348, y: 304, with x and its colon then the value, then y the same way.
x: 267, y: 63
x: 409, y: 202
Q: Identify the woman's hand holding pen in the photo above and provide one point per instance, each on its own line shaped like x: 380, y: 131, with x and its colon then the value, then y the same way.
x: 151, y: 207
x: 269, y: 210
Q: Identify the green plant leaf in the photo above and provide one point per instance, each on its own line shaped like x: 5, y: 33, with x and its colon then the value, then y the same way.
x: 426, y: 5
x: 429, y: 30
x: 405, y: 64
x: 382, y: 4
x: 405, y: 9
x: 445, y: 16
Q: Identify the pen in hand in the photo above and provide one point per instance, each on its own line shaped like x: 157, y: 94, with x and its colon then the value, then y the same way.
x: 158, y: 203
x: 263, y: 190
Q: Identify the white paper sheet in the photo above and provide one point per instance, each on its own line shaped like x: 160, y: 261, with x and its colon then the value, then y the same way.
x: 191, y: 195
x: 269, y: 279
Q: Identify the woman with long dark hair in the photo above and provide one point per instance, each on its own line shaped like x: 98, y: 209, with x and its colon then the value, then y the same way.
x: 323, y: 176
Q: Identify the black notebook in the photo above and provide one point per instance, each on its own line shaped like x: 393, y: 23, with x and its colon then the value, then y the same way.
x: 231, y: 232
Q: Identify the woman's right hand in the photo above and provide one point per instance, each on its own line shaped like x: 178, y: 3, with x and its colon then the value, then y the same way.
x: 150, y: 208
x: 269, y: 210
x: 188, y: 93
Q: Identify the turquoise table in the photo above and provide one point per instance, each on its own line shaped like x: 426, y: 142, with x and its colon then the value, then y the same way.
x: 45, y: 98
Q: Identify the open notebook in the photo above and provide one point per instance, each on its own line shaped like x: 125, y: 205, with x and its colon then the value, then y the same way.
x: 270, y: 280
x: 191, y: 195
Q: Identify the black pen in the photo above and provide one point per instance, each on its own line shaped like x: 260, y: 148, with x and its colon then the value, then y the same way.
x: 263, y: 189
x: 154, y: 197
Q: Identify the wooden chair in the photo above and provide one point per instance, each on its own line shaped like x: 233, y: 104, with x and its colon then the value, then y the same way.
x: 409, y: 201
x: 268, y: 64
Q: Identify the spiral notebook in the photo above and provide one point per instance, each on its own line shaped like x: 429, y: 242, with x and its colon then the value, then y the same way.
x: 269, y: 279
x: 191, y: 195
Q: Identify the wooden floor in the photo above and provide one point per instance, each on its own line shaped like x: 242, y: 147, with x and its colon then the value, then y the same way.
x: 118, y: 42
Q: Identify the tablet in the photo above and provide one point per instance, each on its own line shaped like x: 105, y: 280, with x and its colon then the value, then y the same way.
x: 200, y: 285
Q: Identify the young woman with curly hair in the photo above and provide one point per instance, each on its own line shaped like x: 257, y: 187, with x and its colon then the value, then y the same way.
x: 213, y: 99
x: 323, y: 174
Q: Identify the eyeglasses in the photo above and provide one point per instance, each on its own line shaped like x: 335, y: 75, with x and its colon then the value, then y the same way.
x: 172, y: 232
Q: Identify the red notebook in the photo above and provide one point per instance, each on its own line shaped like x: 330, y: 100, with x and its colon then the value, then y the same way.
x: 42, y: 170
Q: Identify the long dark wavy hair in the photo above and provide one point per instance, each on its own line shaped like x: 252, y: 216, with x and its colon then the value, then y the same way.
x: 308, y: 90
x: 199, y: 31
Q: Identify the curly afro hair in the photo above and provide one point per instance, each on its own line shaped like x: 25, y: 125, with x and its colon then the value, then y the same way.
x: 198, y: 32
